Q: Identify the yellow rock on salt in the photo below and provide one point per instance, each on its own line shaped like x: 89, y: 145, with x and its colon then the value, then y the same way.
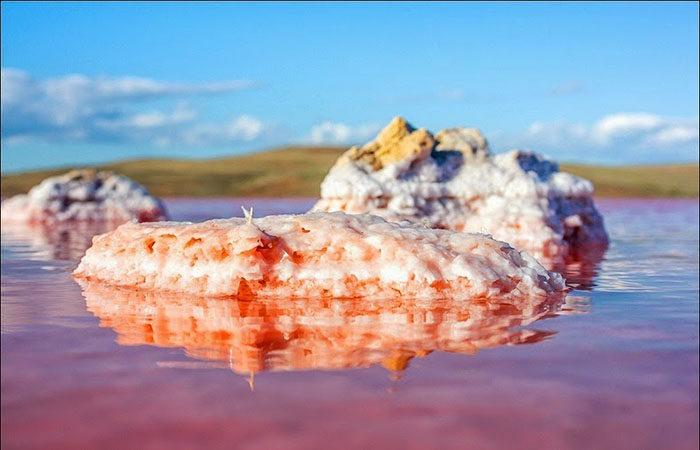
x: 398, y: 141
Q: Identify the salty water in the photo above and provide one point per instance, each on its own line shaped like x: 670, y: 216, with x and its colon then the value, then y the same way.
x: 614, y: 366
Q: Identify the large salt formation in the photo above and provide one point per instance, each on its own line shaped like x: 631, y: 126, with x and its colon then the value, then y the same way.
x: 84, y: 196
x: 252, y: 335
x: 314, y: 255
x: 452, y: 181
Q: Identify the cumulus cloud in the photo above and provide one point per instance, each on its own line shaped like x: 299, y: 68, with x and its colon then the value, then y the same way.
x: 675, y: 134
x: 148, y: 120
x: 243, y: 128
x: 627, y: 125
x: 77, y: 108
x: 341, y: 133
x: 620, y: 135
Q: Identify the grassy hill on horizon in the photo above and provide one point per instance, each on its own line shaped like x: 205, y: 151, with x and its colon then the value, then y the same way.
x: 298, y: 172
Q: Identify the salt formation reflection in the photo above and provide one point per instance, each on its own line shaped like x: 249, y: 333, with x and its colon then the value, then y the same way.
x: 254, y: 335
x: 65, y: 241
x: 580, y: 268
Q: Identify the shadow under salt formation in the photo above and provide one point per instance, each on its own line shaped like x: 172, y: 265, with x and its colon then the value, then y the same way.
x: 65, y: 241
x: 255, y: 335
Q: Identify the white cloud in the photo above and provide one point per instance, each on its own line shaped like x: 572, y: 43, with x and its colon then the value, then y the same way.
x: 340, y: 133
x: 453, y: 95
x: 566, y: 88
x: 643, y: 136
x: 77, y: 108
x: 555, y: 133
x: 243, y: 128
x: 150, y: 119
x: 426, y: 97
x: 675, y: 134
x: 624, y: 125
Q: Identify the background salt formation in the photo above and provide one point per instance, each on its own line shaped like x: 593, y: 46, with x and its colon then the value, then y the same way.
x: 85, y: 196
x: 452, y: 181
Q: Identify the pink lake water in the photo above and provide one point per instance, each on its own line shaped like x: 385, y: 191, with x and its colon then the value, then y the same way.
x: 616, y: 366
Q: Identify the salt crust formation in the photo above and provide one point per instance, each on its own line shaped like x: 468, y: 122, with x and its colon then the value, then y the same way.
x: 84, y: 196
x: 252, y: 335
x: 313, y: 255
x: 452, y: 181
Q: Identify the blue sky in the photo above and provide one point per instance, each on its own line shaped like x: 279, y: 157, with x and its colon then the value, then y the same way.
x: 82, y: 83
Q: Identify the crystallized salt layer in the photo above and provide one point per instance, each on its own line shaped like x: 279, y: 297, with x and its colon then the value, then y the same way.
x: 84, y: 196
x: 307, y: 333
x: 312, y: 255
x: 452, y: 181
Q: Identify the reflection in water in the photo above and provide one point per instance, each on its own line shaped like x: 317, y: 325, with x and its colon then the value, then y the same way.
x: 581, y: 267
x: 59, y: 241
x: 266, y: 334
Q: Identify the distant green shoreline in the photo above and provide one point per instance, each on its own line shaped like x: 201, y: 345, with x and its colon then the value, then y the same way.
x: 298, y: 172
